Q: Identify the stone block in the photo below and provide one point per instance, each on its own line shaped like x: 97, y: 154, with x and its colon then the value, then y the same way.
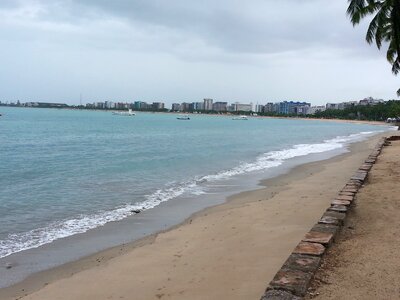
x: 307, y: 248
x: 359, y: 177
x: 338, y: 208
x: 304, y: 263
x: 364, y: 168
x: 326, y: 228
x: 355, y: 183
x: 340, y: 202
x: 293, y: 281
x: 352, y: 186
x: 349, y: 190
x: 345, y: 197
x: 338, y: 215
x: 279, y: 295
x: 329, y: 220
x: 346, y: 194
x: 324, y: 238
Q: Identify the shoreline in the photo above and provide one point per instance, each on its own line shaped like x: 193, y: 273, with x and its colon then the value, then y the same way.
x: 269, y: 190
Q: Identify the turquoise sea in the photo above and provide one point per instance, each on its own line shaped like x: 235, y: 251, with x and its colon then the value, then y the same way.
x: 65, y: 172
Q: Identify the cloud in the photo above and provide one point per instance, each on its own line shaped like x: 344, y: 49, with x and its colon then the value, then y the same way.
x: 238, y: 26
x: 251, y: 27
x: 213, y: 47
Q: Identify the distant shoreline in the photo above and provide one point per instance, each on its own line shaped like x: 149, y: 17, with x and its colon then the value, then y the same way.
x: 228, y: 114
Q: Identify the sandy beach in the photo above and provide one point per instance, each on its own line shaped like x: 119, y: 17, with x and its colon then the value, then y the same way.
x: 364, y: 262
x: 230, y: 251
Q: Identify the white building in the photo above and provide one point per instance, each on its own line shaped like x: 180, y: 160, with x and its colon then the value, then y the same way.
x: 332, y: 106
x: 315, y: 109
x: 259, y: 108
x: 241, y: 107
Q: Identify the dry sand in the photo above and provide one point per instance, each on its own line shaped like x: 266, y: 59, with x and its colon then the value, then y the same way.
x: 365, y: 261
x: 229, y: 251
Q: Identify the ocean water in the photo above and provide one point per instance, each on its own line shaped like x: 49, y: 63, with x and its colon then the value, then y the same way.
x: 65, y: 172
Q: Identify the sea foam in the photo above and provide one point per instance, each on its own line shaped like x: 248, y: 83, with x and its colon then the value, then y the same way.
x: 196, y: 186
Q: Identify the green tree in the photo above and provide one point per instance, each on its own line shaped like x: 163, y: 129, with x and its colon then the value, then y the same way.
x: 384, y: 27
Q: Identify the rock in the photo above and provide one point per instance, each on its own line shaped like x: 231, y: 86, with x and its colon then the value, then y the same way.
x: 136, y: 211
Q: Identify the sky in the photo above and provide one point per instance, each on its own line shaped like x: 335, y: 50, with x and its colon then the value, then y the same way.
x: 255, y: 51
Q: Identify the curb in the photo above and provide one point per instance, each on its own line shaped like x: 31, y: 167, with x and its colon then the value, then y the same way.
x: 293, y: 279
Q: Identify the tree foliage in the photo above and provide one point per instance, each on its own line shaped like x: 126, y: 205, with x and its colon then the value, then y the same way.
x: 378, y: 112
x: 384, y: 27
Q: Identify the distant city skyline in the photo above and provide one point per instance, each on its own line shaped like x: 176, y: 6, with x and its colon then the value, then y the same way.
x: 175, y: 51
x: 209, y: 106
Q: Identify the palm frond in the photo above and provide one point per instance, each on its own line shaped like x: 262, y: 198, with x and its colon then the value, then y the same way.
x: 358, y: 9
x: 384, y: 26
x: 395, y: 36
x: 378, y: 28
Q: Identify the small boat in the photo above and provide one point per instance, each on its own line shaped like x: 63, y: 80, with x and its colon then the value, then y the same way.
x: 240, y: 118
x: 183, y: 117
x: 124, y: 113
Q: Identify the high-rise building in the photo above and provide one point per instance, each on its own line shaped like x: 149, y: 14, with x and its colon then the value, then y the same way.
x: 185, y: 106
x: 139, y: 105
x: 315, y: 109
x: 332, y: 106
x: 158, y: 105
x: 176, y: 107
x: 198, y: 106
x: 208, y: 104
x: 269, y: 107
x: 220, y: 106
x: 259, y: 108
x: 291, y: 107
x: 241, y: 107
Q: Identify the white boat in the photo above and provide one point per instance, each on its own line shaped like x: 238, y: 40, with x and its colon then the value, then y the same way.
x: 124, y: 113
x: 183, y: 117
x: 240, y: 118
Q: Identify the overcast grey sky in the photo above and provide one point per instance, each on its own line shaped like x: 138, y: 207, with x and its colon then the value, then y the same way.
x: 184, y: 50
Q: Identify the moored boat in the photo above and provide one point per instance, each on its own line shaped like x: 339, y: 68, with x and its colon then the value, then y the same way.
x: 124, y: 113
x: 183, y: 117
x: 240, y: 118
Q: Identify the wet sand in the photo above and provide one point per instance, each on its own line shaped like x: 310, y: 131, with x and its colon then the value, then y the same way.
x: 365, y: 261
x: 230, y: 251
